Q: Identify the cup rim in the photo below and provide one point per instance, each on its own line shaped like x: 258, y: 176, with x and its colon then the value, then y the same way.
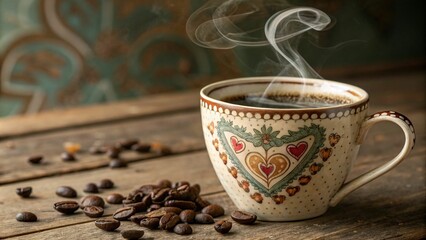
x: 344, y: 108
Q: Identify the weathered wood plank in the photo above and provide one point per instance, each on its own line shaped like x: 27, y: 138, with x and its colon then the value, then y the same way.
x: 193, y: 167
x: 96, y: 114
x: 353, y: 219
x: 182, y: 132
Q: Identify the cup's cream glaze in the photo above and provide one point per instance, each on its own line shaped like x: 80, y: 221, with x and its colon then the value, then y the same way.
x: 290, y: 164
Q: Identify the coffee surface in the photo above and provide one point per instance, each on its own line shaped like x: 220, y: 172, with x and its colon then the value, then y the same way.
x: 285, y: 101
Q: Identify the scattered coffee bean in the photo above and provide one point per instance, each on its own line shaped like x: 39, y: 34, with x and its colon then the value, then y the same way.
x: 156, y: 213
x: 66, y: 192
x: 115, y: 198
x: 128, y: 144
x: 91, y: 188
x: 113, y: 152
x: 132, y: 234
x: 137, y: 218
x: 182, y: 229
x: 181, y: 204
x: 151, y: 223
x: 153, y: 207
x: 117, y: 163
x: 214, y: 210
x: 245, y: 218
x: 68, y: 157
x: 141, y: 147
x: 24, y: 192
x: 123, y: 213
x: 183, y: 193
x: 160, y: 149
x: 108, y: 225
x: 201, y: 203
x: 172, y: 209
x: 187, y: 216
x: 204, y: 218
x: 180, y: 184
x: 26, y: 217
x: 159, y: 194
x: 147, y: 200
x: 66, y: 207
x: 35, y: 159
x: 91, y: 200
x: 106, y: 184
x: 169, y: 221
x: 93, y: 211
x: 223, y: 226
x: 139, y: 206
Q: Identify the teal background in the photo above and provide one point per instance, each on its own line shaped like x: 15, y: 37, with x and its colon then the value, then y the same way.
x: 65, y: 53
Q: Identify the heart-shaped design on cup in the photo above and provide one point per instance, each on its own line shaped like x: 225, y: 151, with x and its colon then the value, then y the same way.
x: 237, y: 145
x: 268, y: 160
x: 298, y: 150
x: 267, y: 169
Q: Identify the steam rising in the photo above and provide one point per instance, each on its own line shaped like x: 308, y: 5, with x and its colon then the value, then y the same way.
x: 251, y: 23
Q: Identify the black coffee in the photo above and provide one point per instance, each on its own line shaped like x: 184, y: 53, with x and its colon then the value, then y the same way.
x: 284, y: 101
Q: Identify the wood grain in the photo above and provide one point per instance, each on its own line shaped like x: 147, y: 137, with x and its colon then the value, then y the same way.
x: 181, y: 132
x: 97, y: 114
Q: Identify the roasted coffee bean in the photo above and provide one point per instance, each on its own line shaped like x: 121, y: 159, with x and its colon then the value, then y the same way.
x: 141, y: 147
x: 108, y: 225
x: 113, y: 152
x: 137, y: 218
x: 127, y: 201
x: 223, y: 226
x: 91, y: 200
x: 204, y: 218
x: 165, y: 183
x: 169, y: 221
x: 180, y: 204
x: 196, y: 189
x: 66, y: 192
x: 172, y: 209
x: 66, y: 207
x: 245, y: 218
x: 91, y: 188
x: 214, y: 210
x: 26, y: 217
x: 151, y: 223
x: 139, y: 206
x: 117, y: 163
x: 182, y: 229
x: 156, y: 213
x: 201, y: 203
x: 106, y: 184
x: 128, y: 144
x: 93, y: 211
x: 95, y: 150
x: 187, y: 216
x: 132, y: 234
x: 147, y: 200
x: 115, y: 198
x: 153, y: 207
x: 180, y: 184
x: 24, y: 192
x: 68, y: 157
x: 159, y: 194
x: 123, y: 213
x: 36, y: 159
x: 182, y: 193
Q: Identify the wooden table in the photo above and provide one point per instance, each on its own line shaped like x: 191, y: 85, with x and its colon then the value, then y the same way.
x: 392, y: 206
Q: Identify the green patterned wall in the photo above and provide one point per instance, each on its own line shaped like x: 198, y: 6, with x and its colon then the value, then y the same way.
x: 61, y: 53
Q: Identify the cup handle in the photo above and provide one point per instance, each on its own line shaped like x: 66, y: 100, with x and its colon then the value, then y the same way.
x: 407, y: 127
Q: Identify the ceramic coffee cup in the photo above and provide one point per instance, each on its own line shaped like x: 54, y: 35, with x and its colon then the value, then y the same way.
x: 287, y: 164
